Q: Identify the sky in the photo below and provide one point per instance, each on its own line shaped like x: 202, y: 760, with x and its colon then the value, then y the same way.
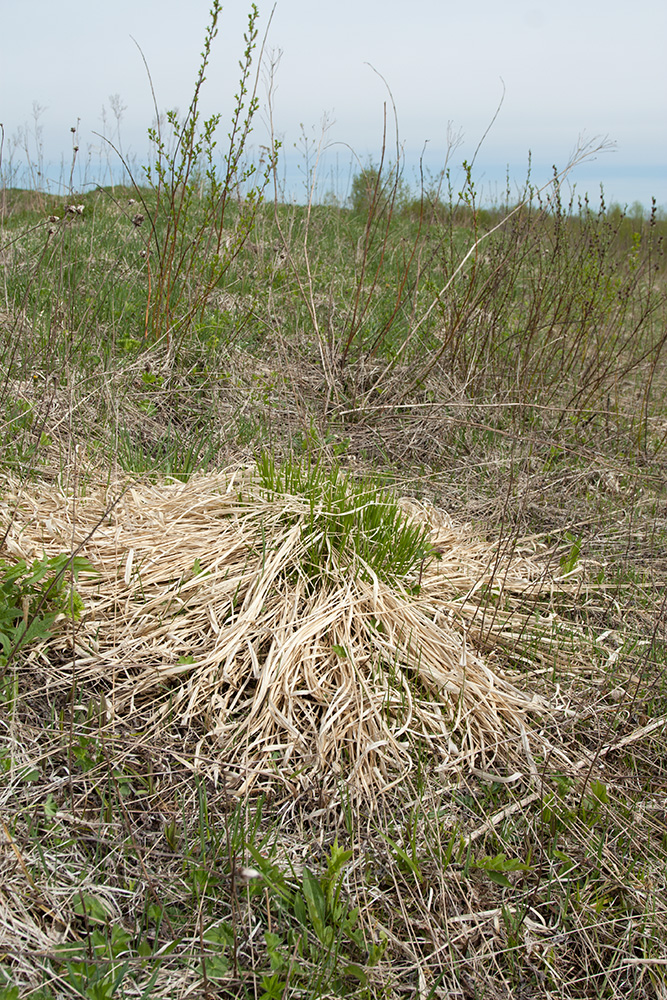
x: 531, y: 78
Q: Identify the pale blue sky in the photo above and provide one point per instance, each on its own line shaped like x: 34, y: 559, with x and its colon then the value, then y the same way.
x: 573, y: 68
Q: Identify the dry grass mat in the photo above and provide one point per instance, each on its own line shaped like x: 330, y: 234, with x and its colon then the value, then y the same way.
x: 245, y: 613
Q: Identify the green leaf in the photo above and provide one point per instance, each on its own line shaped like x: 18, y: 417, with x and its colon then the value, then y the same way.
x: 273, y: 986
x: 273, y: 943
x: 499, y: 879
x: 315, y: 901
x: 570, y: 560
x: 30, y: 774
x: 217, y: 967
x: 402, y: 856
x: 220, y: 934
x: 300, y: 911
x: 50, y: 806
x: 567, y: 863
x: 144, y: 948
x: 599, y: 790
x: 357, y: 972
x: 501, y: 863
x: 338, y: 858
x: 92, y: 907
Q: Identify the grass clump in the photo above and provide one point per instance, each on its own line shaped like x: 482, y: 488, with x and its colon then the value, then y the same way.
x: 282, y: 625
x: 352, y: 525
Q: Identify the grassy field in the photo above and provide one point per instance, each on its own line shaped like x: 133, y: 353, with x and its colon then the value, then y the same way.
x: 383, y: 713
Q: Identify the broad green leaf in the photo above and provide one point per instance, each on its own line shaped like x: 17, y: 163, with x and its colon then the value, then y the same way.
x: 499, y: 879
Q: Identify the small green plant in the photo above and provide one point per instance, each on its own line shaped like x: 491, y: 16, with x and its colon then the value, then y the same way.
x: 218, y: 938
x: 97, y: 970
x: 328, y: 934
x: 568, y: 562
x: 326, y: 912
x: 33, y: 596
x: 497, y: 866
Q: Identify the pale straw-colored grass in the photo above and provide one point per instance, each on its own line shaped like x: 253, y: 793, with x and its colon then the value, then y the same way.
x: 202, y: 616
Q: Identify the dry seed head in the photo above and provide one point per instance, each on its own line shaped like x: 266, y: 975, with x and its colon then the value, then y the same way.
x: 248, y: 874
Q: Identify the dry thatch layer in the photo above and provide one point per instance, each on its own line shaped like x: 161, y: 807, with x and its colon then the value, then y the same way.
x: 203, y: 615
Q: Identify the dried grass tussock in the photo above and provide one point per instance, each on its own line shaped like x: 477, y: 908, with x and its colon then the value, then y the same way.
x: 223, y: 605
